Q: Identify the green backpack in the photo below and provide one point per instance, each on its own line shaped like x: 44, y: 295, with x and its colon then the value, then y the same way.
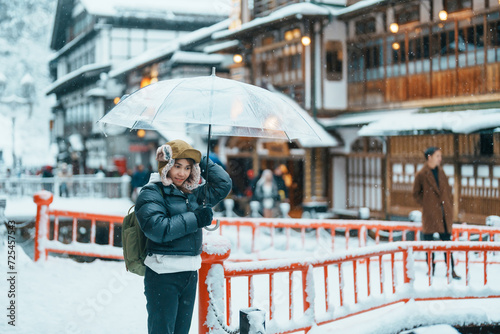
x: 134, y: 242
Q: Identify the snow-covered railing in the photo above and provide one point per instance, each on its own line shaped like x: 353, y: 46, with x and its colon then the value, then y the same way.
x: 74, y: 186
x: 260, y: 234
x: 324, y: 287
x: 47, y: 238
x: 297, y: 295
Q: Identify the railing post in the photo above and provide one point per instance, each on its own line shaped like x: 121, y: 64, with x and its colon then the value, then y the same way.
x: 308, y: 294
x: 216, y: 250
x: 42, y: 199
x: 125, y: 188
x: 57, y: 187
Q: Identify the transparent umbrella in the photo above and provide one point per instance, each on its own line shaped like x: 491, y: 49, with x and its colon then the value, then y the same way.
x: 227, y: 107
x: 222, y: 107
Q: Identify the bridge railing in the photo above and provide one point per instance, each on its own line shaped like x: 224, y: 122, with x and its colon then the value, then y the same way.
x: 329, y: 285
x: 297, y: 295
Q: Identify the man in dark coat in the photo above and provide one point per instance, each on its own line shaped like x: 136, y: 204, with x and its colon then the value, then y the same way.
x: 432, y: 191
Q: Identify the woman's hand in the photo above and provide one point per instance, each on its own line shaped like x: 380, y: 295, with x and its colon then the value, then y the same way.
x: 204, y: 216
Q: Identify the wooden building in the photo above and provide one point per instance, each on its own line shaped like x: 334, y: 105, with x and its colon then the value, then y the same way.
x: 283, y: 46
x: 430, y: 72
x: 92, y: 38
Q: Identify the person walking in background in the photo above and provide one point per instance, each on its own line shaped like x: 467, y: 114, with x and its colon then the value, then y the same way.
x: 64, y: 175
x: 280, y: 183
x: 432, y: 191
x: 139, y: 179
x: 47, y: 173
x: 266, y: 192
x: 171, y: 213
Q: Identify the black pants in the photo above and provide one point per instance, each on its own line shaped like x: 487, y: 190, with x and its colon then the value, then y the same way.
x: 170, y: 301
x: 443, y: 237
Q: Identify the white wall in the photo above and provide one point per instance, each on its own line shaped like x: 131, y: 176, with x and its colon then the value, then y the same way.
x: 339, y: 182
x: 335, y: 92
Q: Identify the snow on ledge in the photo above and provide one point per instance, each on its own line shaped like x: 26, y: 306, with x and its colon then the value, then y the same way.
x: 216, y: 244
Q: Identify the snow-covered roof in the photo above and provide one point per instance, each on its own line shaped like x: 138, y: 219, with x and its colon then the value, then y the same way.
x: 296, y: 9
x: 358, y: 6
x: 134, y: 8
x: 221, y: 46
x: 468, y: 121
x: 361, y: 118
x: 333, y: 2
x: 196, y: 58
x: 157, y: 53
x: 72, y: 75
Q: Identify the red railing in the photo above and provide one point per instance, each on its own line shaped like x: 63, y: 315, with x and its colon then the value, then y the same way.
x: 47, y: 237
x: 353, y: 280
x: 359, y: 229
x: 317, y: 291
x: 388, y: 230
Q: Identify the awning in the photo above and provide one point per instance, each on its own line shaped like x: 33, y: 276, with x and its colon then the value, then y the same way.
x: 76, y: 78
x: 361, y: 118
x: 465, y: 122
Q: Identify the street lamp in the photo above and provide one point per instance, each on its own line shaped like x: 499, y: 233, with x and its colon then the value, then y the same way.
x: 26, y: 98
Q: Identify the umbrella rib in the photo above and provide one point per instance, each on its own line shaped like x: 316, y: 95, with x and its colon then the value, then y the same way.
x: 142, y: 112
x: 302, y: 119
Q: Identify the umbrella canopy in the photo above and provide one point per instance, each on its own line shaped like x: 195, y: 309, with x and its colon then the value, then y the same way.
x: 230, y: 107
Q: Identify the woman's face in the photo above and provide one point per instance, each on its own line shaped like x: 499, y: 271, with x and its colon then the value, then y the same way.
x: 180, y: 172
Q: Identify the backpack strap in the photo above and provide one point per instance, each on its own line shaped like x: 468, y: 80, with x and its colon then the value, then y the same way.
x: 160, y: 185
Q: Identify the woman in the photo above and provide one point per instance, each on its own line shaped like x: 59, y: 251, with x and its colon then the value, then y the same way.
x: 171, y: 214
x: 266, y: 192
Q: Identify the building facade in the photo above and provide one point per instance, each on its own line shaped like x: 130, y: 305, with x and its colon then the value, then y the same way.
x: 295, y: 48
x: 89, y: 40
x: 421, y: 73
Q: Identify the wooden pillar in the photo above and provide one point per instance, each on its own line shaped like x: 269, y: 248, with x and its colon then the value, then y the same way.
x: 457, y: 185
x: 307, y: 175
x: 388, y: 177
x: 319, y: 174
x: 255, y: 159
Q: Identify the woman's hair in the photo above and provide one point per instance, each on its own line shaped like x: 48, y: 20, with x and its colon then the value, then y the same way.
x: 430, y: 151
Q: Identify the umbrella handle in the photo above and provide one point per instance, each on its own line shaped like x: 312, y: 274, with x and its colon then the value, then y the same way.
x: 211, y: 229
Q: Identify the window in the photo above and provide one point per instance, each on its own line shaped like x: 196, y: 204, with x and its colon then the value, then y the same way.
x: 268, y: 40
x: 365, y: 27
x: 452, y: 6
x: 334, y: 60
x: 408, y: 14
x: 486, y: 143
x: 372, y: 57
x: 296, y: 62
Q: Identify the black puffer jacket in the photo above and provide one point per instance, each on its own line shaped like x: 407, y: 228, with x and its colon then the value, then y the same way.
x: 170, y: 223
